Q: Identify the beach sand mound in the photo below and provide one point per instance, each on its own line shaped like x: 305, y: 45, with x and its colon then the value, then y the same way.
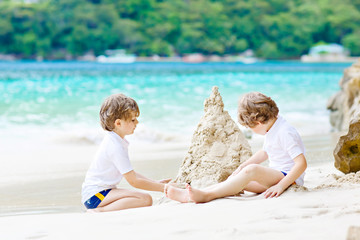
x: 297, y: 188
x: 336, y: 181
x: 217, y: 148
x: 352, y: 178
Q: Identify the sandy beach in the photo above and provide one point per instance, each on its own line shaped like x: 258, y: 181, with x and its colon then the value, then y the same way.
x: 43, y: 198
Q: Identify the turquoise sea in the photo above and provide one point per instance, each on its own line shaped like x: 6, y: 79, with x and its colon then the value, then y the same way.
x: 65, y: 97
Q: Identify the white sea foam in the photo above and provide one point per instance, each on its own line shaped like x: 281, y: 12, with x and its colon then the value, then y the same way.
x: 82, y: 134
x: 309, y: 123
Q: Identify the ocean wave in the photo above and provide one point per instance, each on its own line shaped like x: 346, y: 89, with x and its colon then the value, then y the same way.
x: 94, y: 136
x: 90, y: 133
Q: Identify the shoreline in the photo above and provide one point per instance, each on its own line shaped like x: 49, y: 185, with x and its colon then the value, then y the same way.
x: 183, y: 59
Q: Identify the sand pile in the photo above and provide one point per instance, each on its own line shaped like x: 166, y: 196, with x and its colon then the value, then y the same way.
x: 336, y: 181
x: 217, y: 148
x: 353, y: 178
x: 297, y: 188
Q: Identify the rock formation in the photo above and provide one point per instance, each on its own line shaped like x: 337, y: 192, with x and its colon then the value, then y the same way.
x: 345, y: 102
x: 347, y: 150
x: 217, y: 148
x: 345, y: 115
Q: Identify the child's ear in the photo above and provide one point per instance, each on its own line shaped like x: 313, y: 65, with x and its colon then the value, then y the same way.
x: 117, y: 122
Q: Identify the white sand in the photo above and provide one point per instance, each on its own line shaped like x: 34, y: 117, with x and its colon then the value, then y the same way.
x: 325, y: 210
x: 314, y: 214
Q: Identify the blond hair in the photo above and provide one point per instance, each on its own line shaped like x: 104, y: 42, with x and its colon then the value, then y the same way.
x: 256, y: 107
x: 117, y: 106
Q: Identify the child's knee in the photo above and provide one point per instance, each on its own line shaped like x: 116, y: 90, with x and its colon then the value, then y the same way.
x: 251, y: 169
x: 146, y: 199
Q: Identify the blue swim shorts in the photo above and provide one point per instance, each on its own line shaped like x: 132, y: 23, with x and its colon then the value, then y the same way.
x: 95, y: 200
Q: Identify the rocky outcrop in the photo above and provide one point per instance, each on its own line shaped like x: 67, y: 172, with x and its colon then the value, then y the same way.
x: 347, y: 150
x: 345, y: 116
x: 345, y: 102
x: 217, y: 148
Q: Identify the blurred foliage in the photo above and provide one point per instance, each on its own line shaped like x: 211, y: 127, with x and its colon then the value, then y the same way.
x: 274, y: 29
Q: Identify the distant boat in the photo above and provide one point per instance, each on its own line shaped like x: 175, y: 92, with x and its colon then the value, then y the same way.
x: 193, y: 58
x: 247, y: 57
x: 246, y: 60
x: 328, y: 53
x: 116, y: 56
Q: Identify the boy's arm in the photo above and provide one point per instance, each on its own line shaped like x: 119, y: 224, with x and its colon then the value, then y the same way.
x: 138, y: 181
x: 290, y: 178
x: 167, y: 180
x: 259, y: 157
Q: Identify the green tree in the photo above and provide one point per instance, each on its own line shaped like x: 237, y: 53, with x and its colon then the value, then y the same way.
x: 272, y: 28
x: 351, y: 41
x: 6, y: 28
x: 269, y: 50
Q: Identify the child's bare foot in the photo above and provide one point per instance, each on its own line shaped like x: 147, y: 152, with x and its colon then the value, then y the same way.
x: 177, y: 194
x: 166, y: 187
x: 197, y: 195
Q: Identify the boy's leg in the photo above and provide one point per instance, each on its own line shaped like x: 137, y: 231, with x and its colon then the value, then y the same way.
x: 119, y: 199
x: 252, y: 186
x: 263, y: 176
x: 255, y: 187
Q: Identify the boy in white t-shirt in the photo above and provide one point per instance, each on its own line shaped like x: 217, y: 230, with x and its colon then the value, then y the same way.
x: 118, y: 116
x: 282, y: 146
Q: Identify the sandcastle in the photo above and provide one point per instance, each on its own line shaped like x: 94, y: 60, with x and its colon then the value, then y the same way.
x: 217, y: 148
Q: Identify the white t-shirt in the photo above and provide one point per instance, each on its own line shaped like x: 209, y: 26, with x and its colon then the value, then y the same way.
x: 110, y: 163
x: 282, y: 144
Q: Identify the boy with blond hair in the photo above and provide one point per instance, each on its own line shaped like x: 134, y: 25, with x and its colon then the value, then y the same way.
x: 282, y: 146
x: 118, y: 116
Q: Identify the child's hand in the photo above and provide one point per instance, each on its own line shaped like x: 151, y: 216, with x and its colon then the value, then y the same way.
x: 165, y: 180
x: 274, y: 191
